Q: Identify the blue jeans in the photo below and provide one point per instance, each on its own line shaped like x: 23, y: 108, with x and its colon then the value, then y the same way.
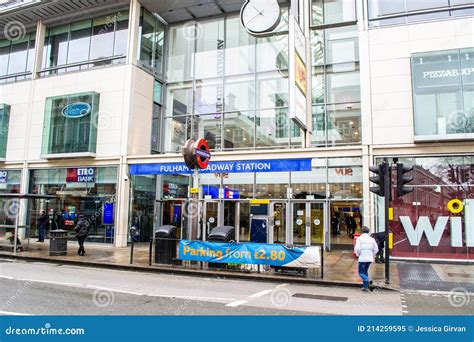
x: 364, y: 273
x: 41, y: 229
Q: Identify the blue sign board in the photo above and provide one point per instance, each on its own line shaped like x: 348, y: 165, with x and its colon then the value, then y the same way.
x: 250, y: 253
x: 108, y: 214
x: 235, y: 166
x: 76, y: 110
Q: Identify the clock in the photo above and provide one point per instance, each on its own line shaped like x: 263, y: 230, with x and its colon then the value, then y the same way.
x: 260, y: 16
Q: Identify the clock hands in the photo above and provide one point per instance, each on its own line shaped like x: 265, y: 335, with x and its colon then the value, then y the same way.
x: 259, y: 13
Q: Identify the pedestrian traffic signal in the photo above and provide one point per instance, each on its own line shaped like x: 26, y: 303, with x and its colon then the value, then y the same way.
x: 402, y: 180
x: 380, y: 171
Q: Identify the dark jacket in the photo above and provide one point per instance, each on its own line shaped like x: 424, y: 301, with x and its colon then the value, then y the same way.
x: 82, y: 227
x: 42, y: 219
x: 379, y: 238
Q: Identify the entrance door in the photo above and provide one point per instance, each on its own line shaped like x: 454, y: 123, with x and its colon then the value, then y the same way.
x: 299, y: 219
x: 308, y: 223
x: 210, y: 218
x: 277, y: 229
x: 317, y: 222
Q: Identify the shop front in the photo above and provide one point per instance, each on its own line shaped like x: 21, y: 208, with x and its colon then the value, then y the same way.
x: 89, y: 191
x: 284, y: 201
x: 10, y: 183
x: 436, y: 220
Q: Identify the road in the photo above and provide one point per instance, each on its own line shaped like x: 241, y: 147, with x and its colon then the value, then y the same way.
x: 28, y: 288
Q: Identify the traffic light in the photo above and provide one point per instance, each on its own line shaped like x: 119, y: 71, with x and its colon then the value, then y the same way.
x: 403, y: 189
x: 380, y: 171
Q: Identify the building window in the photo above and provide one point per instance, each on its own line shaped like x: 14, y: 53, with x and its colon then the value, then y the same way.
x: 227, y: 85
x: 17, y: 58
x: 393, y: 12
x: 156, y: 118
x: 4, y: 123
x: 151, y: 42
x: 335, y: 85
x: 100, y: 41
x: 443, y: 94
x: 70, y: 124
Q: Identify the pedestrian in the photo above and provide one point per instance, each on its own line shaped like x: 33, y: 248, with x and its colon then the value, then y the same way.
x: 82, y: 230
x: 380, y: 239
x: 365, y: 248
x: 42, y: 220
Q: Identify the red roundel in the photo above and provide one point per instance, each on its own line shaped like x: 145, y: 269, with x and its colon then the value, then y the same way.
x: 202, y: 153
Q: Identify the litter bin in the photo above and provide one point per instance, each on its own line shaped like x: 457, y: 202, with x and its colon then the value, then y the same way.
x: 221, y: 234
x: 165, y: 245
x: 57, y: 242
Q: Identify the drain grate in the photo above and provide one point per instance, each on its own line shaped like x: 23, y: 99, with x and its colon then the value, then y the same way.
x: 320, y: 297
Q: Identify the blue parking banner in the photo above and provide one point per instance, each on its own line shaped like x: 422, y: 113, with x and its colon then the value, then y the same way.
x: 235, y: 166
x: 250, y: 253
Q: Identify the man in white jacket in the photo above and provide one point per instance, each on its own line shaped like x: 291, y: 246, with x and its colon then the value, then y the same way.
x: 365, y: 248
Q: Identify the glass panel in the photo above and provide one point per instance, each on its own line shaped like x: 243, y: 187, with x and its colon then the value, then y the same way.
x: 343, y: 87
x: 466, y: 118
x: 272, y: 128
x: 157, y: 92
x: 208, y: 96
x: 102, y: 40
x: 438, y: 94
x: 180, y: 57
x: 57, y: 46
x: 309, y: 183
x: 333, y: 11
x: 279, y: 222
x: 299, y: 223
x: 176, y: 130
x: 318, y: 89
x: 4, y: 55
x: 317, y: 223
x: 317, y: 47
x: 272, y: 90
x: 344, y: 123
x: 79, y: 43
x: 18, y: 56
x: 413, y: 5
x: 121, y: 34
x: 208, y: 127
x: 272, y: 53
x: 345, y: 182
x: 155, y: 128
x: 209, y: 57
x: 75, y: 132
x: 319, y: 126
x: 142, y: 211
x: 378, y: 8
x: 272, y: 184
x: 240, y: 49
x: 342, y: 47
x: 240, y: 93
x: 151, y: 43
x: 239, y: 128
x: 31, y: 55
x: 4, y: 123
x: 241, y: 182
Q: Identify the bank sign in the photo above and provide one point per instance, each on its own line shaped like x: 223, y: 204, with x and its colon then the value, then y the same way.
x: 250, y: 253
x: 236, y: 166
x: 434, y: 233
x: 3, y: 176
x: 80, y: 175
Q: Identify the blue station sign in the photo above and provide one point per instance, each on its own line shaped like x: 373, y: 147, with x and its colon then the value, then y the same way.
x: 235, y: 166
x: 76, y: 110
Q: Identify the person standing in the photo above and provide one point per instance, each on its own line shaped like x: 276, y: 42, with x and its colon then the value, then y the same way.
x: 42, y: 220
x: 365, y: 248
x: 380, y: 239
x: 82, y: 231
x: 335, y: 224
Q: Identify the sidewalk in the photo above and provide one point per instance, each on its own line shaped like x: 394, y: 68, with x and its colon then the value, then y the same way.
x: 340, y: 267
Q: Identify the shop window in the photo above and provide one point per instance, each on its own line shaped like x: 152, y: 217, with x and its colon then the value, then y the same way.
x: 443, y: 95
x: 70, y: 124
x: 4, y: 123
x: 151, y: 42
x: 16, y: 58
x: 102, y: 41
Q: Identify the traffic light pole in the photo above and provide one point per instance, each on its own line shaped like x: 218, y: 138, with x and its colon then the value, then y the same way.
x: 387, y: 192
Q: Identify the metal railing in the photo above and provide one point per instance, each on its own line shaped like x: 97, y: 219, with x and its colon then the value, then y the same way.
x: 84, y: 65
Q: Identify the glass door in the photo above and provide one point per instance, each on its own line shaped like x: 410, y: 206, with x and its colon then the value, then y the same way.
x: 317, y: 222
x: 210, y: 217
x: 299, y: 223
x: 278, y: 222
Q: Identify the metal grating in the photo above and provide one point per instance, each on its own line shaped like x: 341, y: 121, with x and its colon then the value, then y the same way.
x: 320, y: 297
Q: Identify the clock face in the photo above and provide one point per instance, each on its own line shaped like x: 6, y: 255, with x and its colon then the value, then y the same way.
x: 260, y: 16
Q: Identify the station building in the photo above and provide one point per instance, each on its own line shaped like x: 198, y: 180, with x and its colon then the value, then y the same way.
x: 97, y: 98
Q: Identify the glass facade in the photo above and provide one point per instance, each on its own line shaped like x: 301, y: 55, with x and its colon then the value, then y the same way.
x: 443, y: 94
x: 101, y: 41
x: 152, y: 33
x: 4, y: 123
x: 381, y: 10
x: 228, y: 86
x: 156, y: 117
x: 335, y: 74
x: 16, y: 58
x: 10, y: 183
x: 424, y: 226
x: 142, y: 209
x: 89, y: 191
x: 70, y: 124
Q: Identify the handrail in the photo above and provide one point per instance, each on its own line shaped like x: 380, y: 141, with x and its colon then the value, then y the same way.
x: 71, y: 65
x: 418, y: 12
x: 23, y: 73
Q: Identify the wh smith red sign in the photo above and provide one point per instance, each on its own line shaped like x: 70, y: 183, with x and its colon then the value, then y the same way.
x: 80, y: 175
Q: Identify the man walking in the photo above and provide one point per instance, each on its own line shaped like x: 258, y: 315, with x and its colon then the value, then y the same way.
x: 82, y: 230
x: 365, y: 248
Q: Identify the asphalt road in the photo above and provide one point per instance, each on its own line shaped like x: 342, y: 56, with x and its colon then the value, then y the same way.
x: 28, y: 288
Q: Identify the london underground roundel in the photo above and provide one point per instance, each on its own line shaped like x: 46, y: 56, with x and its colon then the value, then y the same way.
x: 201, y: 151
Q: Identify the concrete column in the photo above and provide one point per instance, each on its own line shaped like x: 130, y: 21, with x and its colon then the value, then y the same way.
x: 122, y: 204
x: 23, y: 204
x: 133, y: 31
x: 368, y: 202
x: 39, y: 47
